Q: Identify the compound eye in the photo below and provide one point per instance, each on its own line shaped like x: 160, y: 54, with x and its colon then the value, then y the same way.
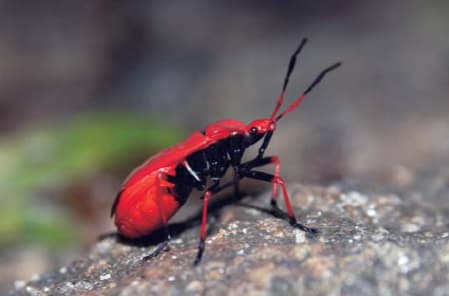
x: 253, y: 130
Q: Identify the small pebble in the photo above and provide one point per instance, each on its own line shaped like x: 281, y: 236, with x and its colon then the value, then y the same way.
x: 194, y: 286
x: 19, y: 284
x: 300, y: 236
x: 371, y: 212
x: 105, y: 276
x: 32, y: 291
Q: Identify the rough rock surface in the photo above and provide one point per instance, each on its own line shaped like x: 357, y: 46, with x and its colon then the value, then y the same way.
x: 394, y: 243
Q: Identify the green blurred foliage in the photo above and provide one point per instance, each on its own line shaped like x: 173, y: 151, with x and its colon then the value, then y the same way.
x: 52, y: 157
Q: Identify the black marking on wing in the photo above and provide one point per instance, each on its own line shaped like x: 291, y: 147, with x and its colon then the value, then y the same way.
x: 114, y: 205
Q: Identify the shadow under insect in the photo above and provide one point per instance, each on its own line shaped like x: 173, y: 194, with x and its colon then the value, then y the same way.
x: 159, y: 236
x: 176, y: 229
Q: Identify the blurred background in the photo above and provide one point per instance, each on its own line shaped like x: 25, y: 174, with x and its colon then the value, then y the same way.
x: 90, y: 90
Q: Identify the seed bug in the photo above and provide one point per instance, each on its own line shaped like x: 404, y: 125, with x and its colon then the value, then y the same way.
x: 155, y: 191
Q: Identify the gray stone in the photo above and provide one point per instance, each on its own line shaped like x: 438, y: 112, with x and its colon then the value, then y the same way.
x: 370, y: 244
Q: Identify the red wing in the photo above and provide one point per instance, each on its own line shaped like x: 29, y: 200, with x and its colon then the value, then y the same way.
x: 114, y: 205
x: 138, y: 211
x: 168, y: 158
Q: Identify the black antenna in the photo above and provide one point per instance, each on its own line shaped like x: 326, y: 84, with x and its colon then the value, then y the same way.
x: 292, y: 62
x: 321, y: 75
x: 298, y: 101
x: 291, y: 66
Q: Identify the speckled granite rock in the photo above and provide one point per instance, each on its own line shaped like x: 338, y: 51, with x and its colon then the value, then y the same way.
x: 370, y: 244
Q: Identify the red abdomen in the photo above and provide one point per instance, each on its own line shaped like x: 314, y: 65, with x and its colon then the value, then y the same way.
x: 138, y: 212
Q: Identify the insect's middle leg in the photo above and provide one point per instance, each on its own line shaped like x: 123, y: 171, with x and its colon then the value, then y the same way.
x: 215, y: 188
x: 201, y: 246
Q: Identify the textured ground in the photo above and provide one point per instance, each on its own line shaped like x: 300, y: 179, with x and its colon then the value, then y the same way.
x: 394, y: 243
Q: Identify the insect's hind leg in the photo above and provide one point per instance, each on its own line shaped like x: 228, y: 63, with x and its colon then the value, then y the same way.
x: 163, y: 245
x: 276, y: 179
x: 236, y: 185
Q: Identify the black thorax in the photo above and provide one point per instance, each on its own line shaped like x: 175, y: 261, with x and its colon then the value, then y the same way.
x: 211, y: 162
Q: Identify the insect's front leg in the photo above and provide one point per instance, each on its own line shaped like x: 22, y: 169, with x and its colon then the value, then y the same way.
x: 265, y: 143
x: 258, y: 162
x: 278, y: 180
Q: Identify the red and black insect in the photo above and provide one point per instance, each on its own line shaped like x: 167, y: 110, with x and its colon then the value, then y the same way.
x: 155, y: 191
